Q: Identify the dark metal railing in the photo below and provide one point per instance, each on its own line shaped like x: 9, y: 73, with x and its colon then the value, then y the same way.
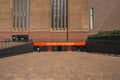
x: 7, y: 43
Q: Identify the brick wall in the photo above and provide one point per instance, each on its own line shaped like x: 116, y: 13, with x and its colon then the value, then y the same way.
x: 40, y: 21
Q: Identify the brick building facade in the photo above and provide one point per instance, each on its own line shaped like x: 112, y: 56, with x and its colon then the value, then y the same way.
x: 106, y: 15
x: 45, y: 20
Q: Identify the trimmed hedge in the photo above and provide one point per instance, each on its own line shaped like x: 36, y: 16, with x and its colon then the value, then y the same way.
x: 114, y: 35
x: 111, y: 37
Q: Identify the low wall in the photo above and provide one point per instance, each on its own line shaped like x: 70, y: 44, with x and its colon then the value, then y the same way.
x: 103, y: 48
x: 16, y: 50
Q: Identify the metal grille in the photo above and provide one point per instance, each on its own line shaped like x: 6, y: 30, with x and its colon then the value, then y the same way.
x: 21, y: 14
x: 59, y: 14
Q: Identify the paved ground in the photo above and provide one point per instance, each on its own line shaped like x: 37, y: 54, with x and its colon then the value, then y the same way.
x: 60, y: 66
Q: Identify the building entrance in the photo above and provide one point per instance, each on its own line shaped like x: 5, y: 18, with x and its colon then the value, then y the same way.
x: 59, y: 48
x: 20, y: 38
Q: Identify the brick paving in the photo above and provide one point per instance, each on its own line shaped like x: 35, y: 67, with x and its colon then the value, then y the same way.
x: 60, y: 66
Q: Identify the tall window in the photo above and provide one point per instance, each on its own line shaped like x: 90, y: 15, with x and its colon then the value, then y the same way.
x: 91, y: 18
x: 59, y: 14
x: 21, y: 14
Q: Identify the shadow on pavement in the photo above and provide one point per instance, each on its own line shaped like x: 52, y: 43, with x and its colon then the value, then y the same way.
x: 16, y: 50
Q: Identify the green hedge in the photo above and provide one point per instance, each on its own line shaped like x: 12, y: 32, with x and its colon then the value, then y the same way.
x: 114, y: 35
